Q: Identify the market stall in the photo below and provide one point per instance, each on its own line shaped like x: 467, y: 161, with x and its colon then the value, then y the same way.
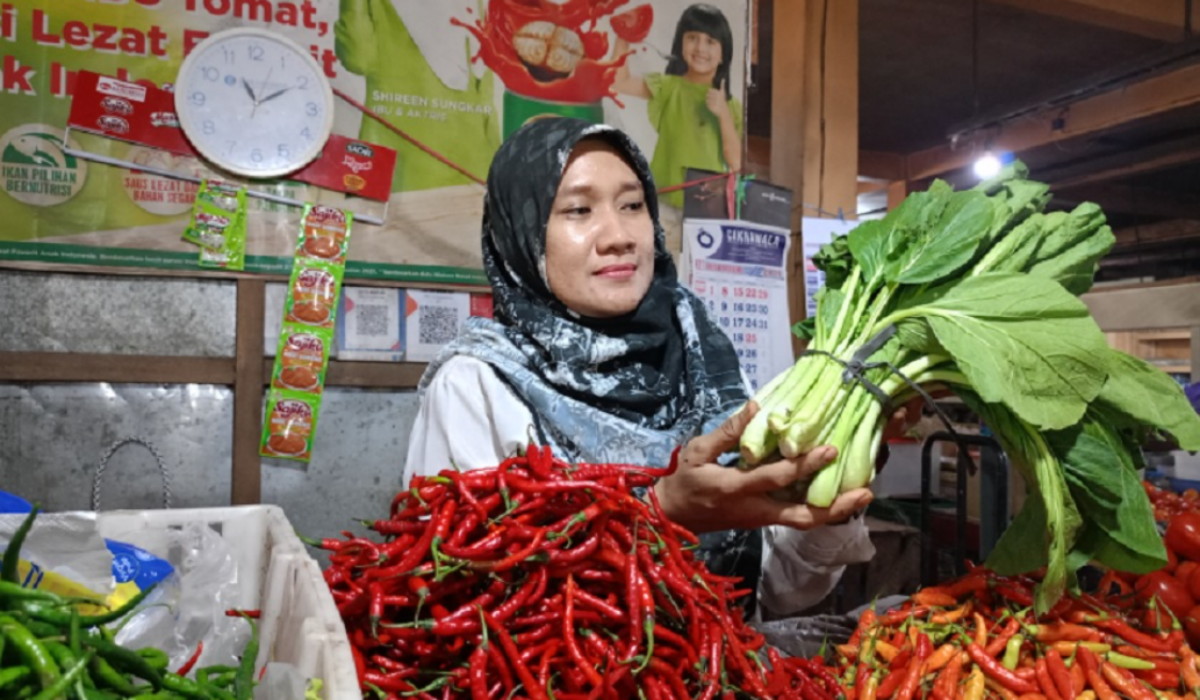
x: 215, y: 348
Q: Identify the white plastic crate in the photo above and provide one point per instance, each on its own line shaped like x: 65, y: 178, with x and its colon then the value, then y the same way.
x: 300, y: 624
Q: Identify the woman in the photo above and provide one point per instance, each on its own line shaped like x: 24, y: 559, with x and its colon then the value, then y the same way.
x: 690, y: 104
x: 597, y: 350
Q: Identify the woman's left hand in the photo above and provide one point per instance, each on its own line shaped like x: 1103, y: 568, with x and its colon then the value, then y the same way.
x: 704, y: 496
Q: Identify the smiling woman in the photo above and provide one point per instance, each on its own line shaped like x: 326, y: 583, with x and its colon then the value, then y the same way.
x: 599, y: 226
x: 599, y: 352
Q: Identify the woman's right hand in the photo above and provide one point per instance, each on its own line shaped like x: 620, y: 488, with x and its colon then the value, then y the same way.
x: 704, y: 496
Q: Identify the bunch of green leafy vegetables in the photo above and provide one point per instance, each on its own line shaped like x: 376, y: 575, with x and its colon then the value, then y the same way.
x: 976, y: 291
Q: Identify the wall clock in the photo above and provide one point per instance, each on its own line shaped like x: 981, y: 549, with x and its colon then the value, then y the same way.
x: 254, y: 103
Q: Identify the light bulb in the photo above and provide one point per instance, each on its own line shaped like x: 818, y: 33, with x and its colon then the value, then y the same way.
x: 987, y: 166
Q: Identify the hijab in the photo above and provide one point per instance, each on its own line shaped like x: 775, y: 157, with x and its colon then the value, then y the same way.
x: 626, y: 389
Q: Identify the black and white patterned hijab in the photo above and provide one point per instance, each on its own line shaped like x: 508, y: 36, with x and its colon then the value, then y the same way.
x: 625, y: 389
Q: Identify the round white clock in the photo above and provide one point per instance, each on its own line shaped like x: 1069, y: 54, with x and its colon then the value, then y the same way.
x: 254, y: 103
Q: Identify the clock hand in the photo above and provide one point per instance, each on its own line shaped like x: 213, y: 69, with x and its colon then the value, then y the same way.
x: 249, y: 91
x: 275, y: 94
x: 263, y: 88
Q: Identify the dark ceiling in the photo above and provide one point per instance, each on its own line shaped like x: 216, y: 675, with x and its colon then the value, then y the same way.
x: 929, y: 68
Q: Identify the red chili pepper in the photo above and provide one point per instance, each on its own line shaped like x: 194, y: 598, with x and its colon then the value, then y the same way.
x: 895, y: 617
x: 1059, y: 674
x: 1123, y: 681
x: 1000, y: 641
x: 510, y: 650
x: 191, y: 662
x: 478, y: 674
x: 1134, y: 637
x: 252, y: 614
x: 994, y: 669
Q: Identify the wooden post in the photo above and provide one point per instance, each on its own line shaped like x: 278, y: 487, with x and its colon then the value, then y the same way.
x: 814, y: 116
x: 896, y: 192
x: 246, y: 480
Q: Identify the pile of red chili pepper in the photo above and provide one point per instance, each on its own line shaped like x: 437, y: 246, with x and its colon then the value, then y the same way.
x: 540, y: 579
x: 977, y: 637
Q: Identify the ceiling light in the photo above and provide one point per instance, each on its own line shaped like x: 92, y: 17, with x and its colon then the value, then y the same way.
x: 987, y: 166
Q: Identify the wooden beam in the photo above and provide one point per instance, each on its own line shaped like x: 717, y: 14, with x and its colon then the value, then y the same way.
x: 1145, y: 306
x: 115, y: 369
x: 1090, y: 115
x: 897, y: 191
x: 814, y: 114
x: 246, y: 480
x: 1196, y: 353
x: 1127, y: 199
x: 1124, y: 163
x: 1161, y: 20
x: 368, y: 375
x: 882, y: 165
x: 1158, y: 232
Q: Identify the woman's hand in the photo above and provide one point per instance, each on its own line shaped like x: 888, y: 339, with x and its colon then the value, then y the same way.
x: 703, y: 496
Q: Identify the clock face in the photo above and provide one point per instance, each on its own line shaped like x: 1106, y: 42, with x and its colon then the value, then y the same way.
x: 254, y: 103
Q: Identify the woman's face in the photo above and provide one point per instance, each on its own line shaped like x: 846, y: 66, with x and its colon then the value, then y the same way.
x: 701, y: 53
x: 600, y: 238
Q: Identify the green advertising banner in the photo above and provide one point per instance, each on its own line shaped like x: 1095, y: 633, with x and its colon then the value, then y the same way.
x: 457, y: 76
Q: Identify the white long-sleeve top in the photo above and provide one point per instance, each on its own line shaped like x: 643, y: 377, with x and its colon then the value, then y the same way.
x: 470, y: 418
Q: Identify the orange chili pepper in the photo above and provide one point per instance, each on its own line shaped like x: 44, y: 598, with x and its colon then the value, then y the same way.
x: 1078, y: 678
x: 934, y: 597
x: 1031, y: 696
x: 1188, y: 669
x: 975, y: 684
x: 941, y: 656
x: 954, y: 615
x: 997, y: 688
x: 886, y: 650
x: 981, y: 630
x: 1071, y: 648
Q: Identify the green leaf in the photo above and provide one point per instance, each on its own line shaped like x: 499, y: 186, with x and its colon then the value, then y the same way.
x: 941, y: 248
x: 1148, y: 396
x: 835, y: 260
x: 915, y: 334
x: 1022, y: 547
x: 829, y: 301
x: 1106, y: 488
x: 1074, y: 267
x: 806, y: 328
x: 1101, y: 547
x: 1023, y: 341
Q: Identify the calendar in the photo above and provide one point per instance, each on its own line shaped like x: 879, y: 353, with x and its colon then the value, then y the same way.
x: 739, y: 270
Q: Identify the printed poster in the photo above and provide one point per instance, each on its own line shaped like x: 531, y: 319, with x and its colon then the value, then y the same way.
x: 815, y: 233
x: 456, y: 75
x: 739, y: 269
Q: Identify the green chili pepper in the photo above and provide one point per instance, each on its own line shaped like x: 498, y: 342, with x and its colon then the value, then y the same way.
x: 60, y: 686
x: 12, y: 555
x: 1012, y: 651
x: 111, y: 677
x: 243, y: 685
x: 1130, y: 662
x: 187, y: 688
x: 157, y: 658
x: 32, y: 650
x: 125, y: 660
x: 57, y: 616
x: 65, y: 657
x: 97, y: 694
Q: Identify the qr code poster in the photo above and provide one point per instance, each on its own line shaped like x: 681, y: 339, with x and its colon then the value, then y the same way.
x: 370, y: 324
x: 432, y: 320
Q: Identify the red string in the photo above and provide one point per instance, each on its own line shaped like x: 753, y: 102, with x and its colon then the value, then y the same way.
x: 730, y: 184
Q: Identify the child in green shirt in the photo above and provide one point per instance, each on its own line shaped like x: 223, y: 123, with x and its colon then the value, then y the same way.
x: 699, y: 123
